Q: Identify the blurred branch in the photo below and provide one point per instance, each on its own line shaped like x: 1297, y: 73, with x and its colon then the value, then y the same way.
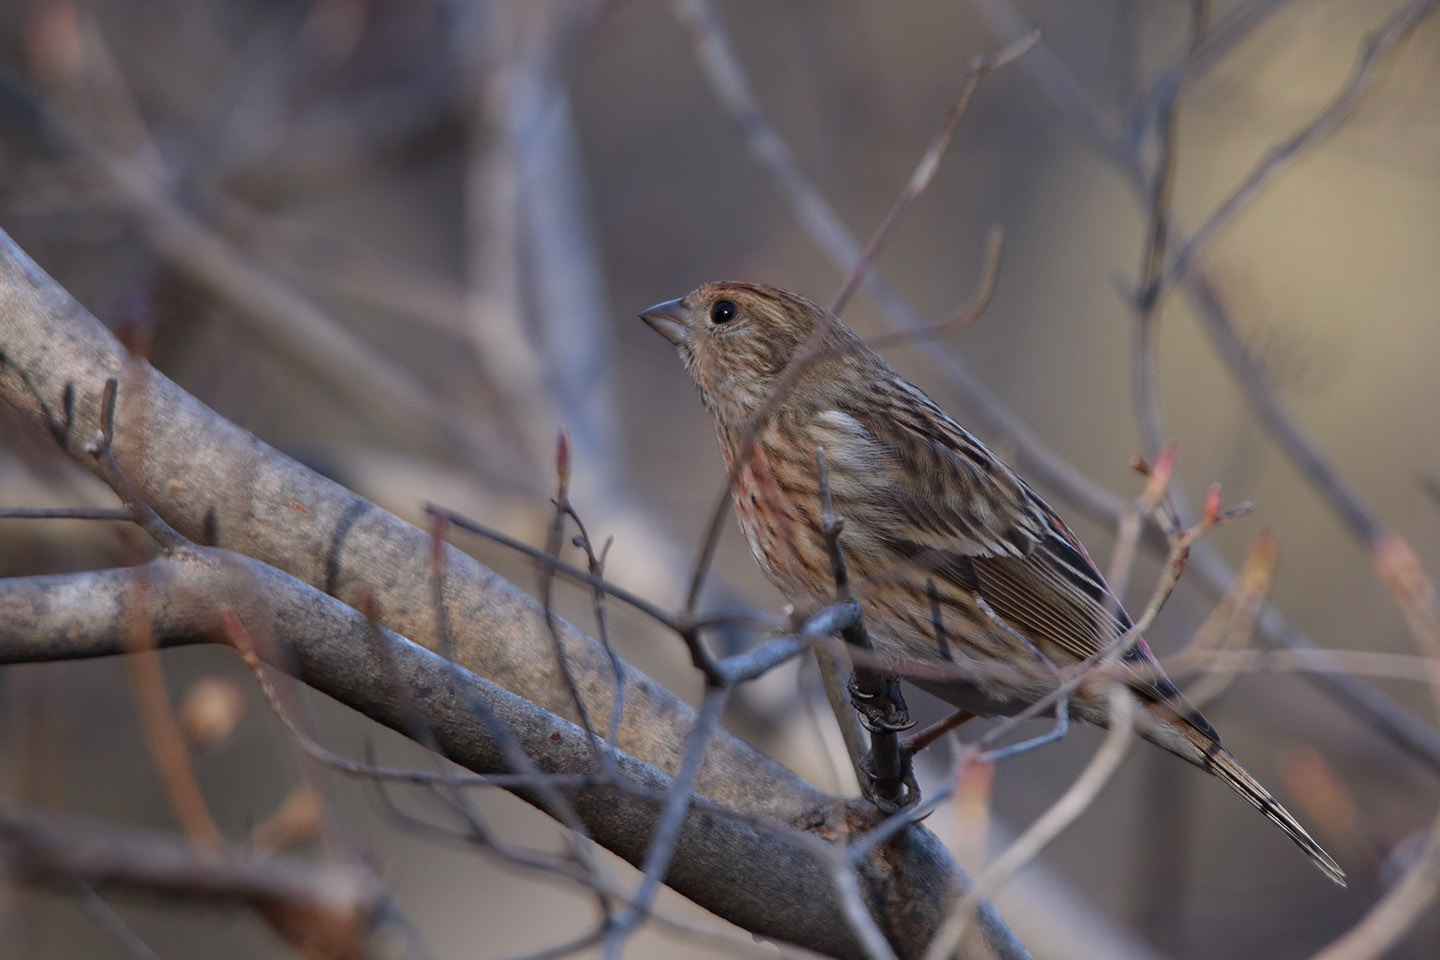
x: 265, y: 303
x: 162, y: 734
x: 323, y: 910
x: 1388, y: 38
x: 1161, y: 190
x: 349, y: 268
x: 532, y: 242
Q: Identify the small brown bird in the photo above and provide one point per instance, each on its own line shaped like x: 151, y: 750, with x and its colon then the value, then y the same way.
x: 933, y: 522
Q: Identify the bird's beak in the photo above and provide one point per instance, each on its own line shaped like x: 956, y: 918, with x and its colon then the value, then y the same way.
x: 668, y: 320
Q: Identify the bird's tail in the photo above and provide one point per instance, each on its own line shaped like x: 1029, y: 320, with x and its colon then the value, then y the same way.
x: 1205, y: 751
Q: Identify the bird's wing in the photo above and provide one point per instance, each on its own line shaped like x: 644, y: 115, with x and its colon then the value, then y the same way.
x: 955, y: 509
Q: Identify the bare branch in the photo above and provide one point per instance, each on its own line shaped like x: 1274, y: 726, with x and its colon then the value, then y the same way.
x: 268, y: 305
x: 1387, y: 39
x: 63, y: 513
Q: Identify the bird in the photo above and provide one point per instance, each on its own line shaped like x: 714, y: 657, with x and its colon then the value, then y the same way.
x: 952, y: 556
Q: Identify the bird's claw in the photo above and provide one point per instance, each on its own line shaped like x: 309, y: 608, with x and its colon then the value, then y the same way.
x: 890, y: 794
x: 881, y: 713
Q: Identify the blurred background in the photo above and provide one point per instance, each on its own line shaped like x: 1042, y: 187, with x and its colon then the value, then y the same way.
x: 405, y: 242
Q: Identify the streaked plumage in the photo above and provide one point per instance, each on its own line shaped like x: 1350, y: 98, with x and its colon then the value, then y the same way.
x: 933, y: 519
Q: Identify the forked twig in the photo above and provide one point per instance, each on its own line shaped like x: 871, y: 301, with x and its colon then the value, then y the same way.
x: 553, y: 541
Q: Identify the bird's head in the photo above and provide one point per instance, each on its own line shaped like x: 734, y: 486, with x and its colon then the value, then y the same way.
x: 735, y: 339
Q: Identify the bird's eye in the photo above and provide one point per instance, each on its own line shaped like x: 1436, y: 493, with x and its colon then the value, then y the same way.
x: 722, y: 312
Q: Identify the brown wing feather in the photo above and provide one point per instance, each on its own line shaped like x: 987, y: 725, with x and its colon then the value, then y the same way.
x: 991, y: 534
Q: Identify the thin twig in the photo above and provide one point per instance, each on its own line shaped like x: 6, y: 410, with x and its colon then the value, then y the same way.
x: 239, y: 638
x: 422, y: 733
x: 980, y: 66
x: 852, y: 904
x: 112, y: 924
x: 1127, y: 534
x: 1063, y: 812
x: 596, y: 563
x: 967, y: 313
x: 667, y: 831
x: 651, y: 610
x: 727, y: 671
x: 1232, y: 621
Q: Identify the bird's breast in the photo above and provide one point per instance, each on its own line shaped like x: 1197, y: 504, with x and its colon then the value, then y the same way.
x: 777, y: 505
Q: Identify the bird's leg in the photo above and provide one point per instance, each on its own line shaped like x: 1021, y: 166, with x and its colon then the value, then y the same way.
x: 887, y: 778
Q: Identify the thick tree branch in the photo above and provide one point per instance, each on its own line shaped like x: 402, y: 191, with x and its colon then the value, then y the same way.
x: 332, y: 648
